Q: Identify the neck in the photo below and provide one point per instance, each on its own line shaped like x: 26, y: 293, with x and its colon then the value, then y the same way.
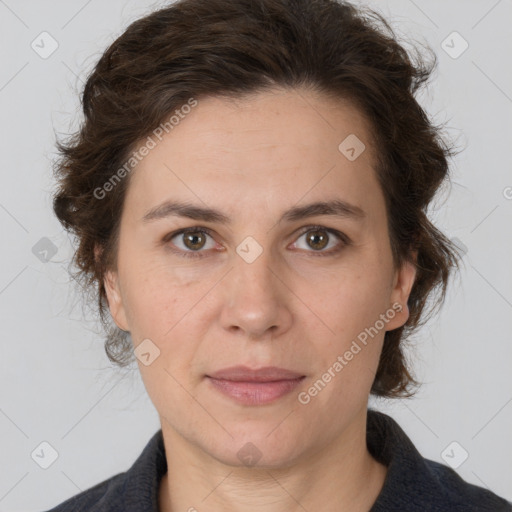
x: 341, y: 475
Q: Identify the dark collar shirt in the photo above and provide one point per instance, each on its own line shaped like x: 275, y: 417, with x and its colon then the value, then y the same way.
x: 412, y: 484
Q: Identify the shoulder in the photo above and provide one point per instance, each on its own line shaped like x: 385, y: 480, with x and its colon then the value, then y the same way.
x: 414, y: 483
x: 458, y: 495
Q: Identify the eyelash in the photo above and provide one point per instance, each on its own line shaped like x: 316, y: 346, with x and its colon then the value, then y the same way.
x: 345, y: 241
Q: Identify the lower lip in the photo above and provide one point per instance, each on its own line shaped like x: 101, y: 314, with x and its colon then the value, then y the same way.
x: 255, y: 393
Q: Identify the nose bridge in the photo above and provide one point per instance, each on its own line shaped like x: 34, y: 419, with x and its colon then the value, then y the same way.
x: 257, y: 274
x: 254, y: 301
x: 254, y: 277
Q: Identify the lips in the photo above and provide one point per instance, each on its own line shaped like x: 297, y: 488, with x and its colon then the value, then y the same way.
x: 246, y: 374
x: 255, y: 387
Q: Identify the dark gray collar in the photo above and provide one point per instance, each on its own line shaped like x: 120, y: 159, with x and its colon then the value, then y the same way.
x: 413, y: 483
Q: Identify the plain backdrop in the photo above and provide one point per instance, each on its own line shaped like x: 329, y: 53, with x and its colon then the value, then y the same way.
x: 56, y: 383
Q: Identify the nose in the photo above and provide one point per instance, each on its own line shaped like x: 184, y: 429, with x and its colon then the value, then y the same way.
x: 256, y: 299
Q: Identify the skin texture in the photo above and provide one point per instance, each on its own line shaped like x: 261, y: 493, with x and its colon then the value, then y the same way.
x: 292, y: 308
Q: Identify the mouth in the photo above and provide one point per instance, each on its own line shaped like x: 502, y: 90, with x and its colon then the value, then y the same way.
x: 255, y: 387
x: 258, y: 375
x: 258, y: 386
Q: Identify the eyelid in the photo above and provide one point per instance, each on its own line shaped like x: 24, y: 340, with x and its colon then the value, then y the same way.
x: 345, y: 240
x: 192, y: 229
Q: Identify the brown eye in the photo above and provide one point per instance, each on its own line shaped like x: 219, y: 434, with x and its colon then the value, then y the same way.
x: 190, y: 242
x: 194, y: 240
x: 320, y: 241
x: 317, y: 239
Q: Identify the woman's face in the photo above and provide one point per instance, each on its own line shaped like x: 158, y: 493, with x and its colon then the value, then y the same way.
x: 260, y: 287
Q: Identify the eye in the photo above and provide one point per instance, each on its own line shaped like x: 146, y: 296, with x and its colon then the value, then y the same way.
x: 318, y: 238
x: 191, y: 241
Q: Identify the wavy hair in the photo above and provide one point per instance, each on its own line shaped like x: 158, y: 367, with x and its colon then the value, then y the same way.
x: 232, y: 48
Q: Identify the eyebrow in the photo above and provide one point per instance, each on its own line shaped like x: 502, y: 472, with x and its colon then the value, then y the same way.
x: 335, y: 208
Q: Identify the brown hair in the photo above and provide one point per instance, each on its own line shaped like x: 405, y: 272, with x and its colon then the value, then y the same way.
x: 231, y: 48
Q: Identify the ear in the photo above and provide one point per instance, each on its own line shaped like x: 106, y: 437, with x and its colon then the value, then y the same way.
x: 402, y: 285
x: 115, y: 301
x: 114, y: 296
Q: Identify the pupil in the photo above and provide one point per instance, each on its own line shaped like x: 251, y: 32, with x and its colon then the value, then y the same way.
x: 193, y: 240
x: 314, y: 239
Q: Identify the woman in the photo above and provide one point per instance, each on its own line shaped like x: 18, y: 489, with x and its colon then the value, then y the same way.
x: 248, y: 191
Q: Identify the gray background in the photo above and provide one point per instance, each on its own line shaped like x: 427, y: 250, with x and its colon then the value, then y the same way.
x: 57, y: 384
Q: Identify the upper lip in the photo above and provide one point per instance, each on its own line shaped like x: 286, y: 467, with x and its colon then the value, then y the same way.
x: 246, y: 374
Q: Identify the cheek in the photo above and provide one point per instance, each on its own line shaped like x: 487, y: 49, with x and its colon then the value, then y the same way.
x: 161, y: 306
x: 349, y: 303
x: 156, y: 296
x: 350, y: 297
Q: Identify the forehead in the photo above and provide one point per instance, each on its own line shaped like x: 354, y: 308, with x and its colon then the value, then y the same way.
x: 272, y: 146
x: 276, y: 118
